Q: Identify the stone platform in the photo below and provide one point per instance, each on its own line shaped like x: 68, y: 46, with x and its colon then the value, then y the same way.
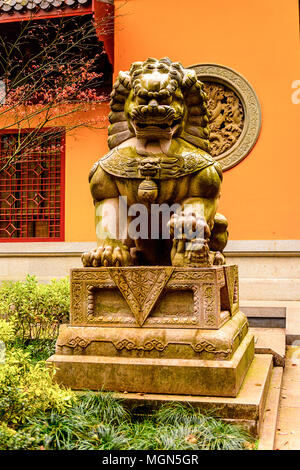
x: 248, y: 409
x: 155, y: 330
x: 157, y: 375
x: 161, y: 334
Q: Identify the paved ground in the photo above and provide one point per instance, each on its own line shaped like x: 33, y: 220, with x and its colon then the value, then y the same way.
x: 288, y: 425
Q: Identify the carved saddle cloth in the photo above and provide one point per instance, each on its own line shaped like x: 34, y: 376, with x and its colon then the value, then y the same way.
x: 124, y: 163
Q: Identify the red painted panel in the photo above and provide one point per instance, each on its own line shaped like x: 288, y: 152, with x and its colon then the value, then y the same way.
x: 32, y: 189
x: 104, y: 21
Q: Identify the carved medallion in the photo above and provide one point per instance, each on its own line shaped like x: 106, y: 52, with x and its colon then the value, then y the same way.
x: 226, y: 117
x: 235, y: 115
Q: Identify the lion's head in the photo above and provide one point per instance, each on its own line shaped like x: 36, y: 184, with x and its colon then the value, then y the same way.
x: 158, y: 99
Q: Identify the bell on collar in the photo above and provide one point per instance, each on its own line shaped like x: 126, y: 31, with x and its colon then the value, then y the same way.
x: 147, y: 191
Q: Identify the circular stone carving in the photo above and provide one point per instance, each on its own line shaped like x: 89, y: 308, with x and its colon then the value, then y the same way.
x: 235, y: 113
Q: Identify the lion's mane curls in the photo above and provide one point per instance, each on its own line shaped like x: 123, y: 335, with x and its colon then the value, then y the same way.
x: 196, y: 129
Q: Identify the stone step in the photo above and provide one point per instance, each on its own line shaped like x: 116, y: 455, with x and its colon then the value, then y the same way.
x: 288, y: 425
x: 275, y: 314
x: 247, y: 409
x: 270, y: 341
x: 270, y: 419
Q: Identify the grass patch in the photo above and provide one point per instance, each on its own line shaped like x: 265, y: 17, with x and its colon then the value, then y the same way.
x: 35, y: 413
x: 99, y: 421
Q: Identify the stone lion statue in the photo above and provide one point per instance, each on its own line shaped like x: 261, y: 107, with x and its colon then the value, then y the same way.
x: 158, y: 164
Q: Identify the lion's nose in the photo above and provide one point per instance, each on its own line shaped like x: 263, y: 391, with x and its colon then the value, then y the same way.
x: 153, y: 104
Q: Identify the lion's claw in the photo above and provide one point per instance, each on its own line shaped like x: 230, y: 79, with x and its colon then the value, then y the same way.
x: 107, y: 255
x: 188, y: 226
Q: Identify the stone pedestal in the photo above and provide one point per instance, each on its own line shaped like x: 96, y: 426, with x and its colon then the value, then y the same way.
x: 158, y: 330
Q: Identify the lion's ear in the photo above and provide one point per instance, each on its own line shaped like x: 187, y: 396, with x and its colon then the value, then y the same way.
x: 189, y: 79
x: 125, y: 79
x: 136, y: 67
x: 196, y: 128
x: 119, y: 131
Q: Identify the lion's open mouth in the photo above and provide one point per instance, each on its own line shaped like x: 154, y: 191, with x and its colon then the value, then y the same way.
x: 142, y: 125
x: 156, y: 130
x: 159, y: 125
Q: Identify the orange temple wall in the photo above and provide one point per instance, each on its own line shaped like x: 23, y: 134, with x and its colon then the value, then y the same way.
x: 259, y: 39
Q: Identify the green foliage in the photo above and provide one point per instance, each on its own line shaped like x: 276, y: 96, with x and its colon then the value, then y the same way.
x: 57, y: 431
x: 6, y: 436
x: 35, y: 309
x: 27, y: 388
x: 7, y: 331
x: 99, y: 421
x: 105, y: 437
x: 142, y: 435
x: 104, y: 407
x: 204, y: 432
x: 36, y: 413
x: 148, y: 435
x: 37, y: 349
x: 92, y: 422
x: 178, y: 414
x: 10, y: 439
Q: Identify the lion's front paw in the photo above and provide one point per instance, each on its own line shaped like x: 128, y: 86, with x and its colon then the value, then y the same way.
x: 188, y: 226
x: 197, y: 253
x: 107, y: 255
x: 194, y: 253
x: 219, y: 258
x: 191, y: 236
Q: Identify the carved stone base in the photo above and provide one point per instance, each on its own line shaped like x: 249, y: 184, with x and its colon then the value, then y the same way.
x: 147, y: 343
x: 155, y: 330
x: 154, y: 296
x: 138, y: 374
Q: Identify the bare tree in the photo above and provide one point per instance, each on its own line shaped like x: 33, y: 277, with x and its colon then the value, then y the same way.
x: 50, y: 69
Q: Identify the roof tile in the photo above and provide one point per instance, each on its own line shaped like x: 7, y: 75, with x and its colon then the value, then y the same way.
x: 25, y: 6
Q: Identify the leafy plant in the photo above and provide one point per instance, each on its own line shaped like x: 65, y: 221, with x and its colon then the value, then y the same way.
x: 38, y: 349
x: 178, y: 414
x: 92, y: 422
x: 35, y: 309
x: 10, y: 439
x: 99, y: 421
x: 203, y: 431
x: 57, y: 431
x: 104, y: 437
x: 36, y: 413
x: 27, y: 388
x: 142, y: 435
x: 7, y: 331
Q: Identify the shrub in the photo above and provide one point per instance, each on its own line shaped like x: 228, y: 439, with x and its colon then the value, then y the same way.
x: 38, y: 349
x: 27, y: 388
x: 7, y: 331
x: 10, y: 439
x: 35, y: 309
